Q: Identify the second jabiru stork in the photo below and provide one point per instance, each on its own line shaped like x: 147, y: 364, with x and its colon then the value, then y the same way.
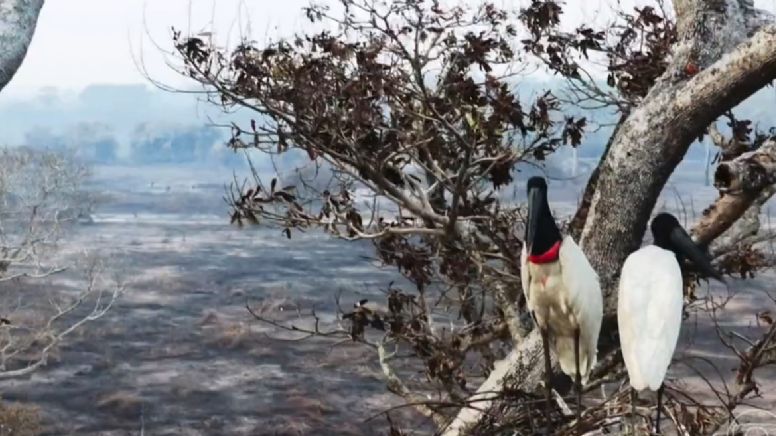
x: 650, y: 304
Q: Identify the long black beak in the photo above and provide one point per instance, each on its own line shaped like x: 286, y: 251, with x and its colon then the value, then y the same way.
x: 535, y: 205
x: 684, y: 243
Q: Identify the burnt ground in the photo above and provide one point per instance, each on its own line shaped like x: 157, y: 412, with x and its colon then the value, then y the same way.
x: 180, y: 355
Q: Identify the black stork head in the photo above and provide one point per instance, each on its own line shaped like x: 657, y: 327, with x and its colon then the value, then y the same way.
x: 668, y: 234
x: 541, y: 232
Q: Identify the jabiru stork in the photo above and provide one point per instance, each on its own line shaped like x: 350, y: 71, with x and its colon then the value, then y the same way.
x: 562, y: 293
x: 650, y: 302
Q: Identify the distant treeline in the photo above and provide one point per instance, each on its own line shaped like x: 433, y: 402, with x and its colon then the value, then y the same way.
x: 156, y: 143
x: 133, y: 124
x: 145, y: 144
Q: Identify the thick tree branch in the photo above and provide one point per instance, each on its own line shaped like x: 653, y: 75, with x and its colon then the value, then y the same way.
x: 18, y: 19
x: 751, y: 171
x: 746, y: 230
x: 741, y: 182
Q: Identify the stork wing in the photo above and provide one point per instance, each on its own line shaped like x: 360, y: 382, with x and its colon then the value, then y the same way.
x: 584, y: 294
x: 649, y: 314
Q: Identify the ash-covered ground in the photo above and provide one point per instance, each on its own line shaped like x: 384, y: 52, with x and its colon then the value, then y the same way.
x: 180, y: 355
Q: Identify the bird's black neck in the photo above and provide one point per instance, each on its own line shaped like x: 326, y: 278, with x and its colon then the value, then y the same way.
x: 664, y: 241
x: 547, y: 232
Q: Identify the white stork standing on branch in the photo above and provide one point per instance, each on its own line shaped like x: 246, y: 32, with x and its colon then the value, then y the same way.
x: 562, y: 292
x: 650, y: 302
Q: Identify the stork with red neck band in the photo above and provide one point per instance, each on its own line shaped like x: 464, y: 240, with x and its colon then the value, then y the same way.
x: 562, y: 292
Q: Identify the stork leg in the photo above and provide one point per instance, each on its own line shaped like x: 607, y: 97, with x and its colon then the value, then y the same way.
x: 547, y: 375
x: 634, y: 397
x: 659, y: 407
x: 578, y: 376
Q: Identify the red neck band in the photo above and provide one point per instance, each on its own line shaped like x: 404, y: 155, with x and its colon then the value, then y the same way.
x: 548, y: 256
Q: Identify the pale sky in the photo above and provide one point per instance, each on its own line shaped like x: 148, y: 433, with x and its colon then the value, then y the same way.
x: 83, y: 42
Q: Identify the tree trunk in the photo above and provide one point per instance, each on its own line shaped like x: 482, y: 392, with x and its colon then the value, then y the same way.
x: 18, y: 19
x: 646, y: 149
x: 654, y: 140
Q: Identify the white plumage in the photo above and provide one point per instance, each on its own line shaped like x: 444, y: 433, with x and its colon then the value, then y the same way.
x: 650, y: 300
x: 649, y: 314
x: 563, y: 296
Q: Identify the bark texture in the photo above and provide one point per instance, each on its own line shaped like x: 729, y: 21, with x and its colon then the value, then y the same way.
x: 713, y: 36
x: 18, y: 19
x: 741, y: 182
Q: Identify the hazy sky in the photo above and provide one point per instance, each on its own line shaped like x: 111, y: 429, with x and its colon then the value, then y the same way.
x: 83, y: 42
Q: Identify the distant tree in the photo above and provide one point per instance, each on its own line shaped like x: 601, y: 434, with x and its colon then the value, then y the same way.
x: 94, y: 142
x: 41, y: 199
x: 159, y: 143
x: 414, y: 101
x: 91, y: 142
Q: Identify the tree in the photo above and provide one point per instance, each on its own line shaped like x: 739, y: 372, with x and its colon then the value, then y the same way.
x: 41, y: 199
x: 41, y: 196
x: 415, y: 102
x: 158, y: 143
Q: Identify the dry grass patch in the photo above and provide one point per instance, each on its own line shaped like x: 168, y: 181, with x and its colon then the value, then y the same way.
x: 19, y: 420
